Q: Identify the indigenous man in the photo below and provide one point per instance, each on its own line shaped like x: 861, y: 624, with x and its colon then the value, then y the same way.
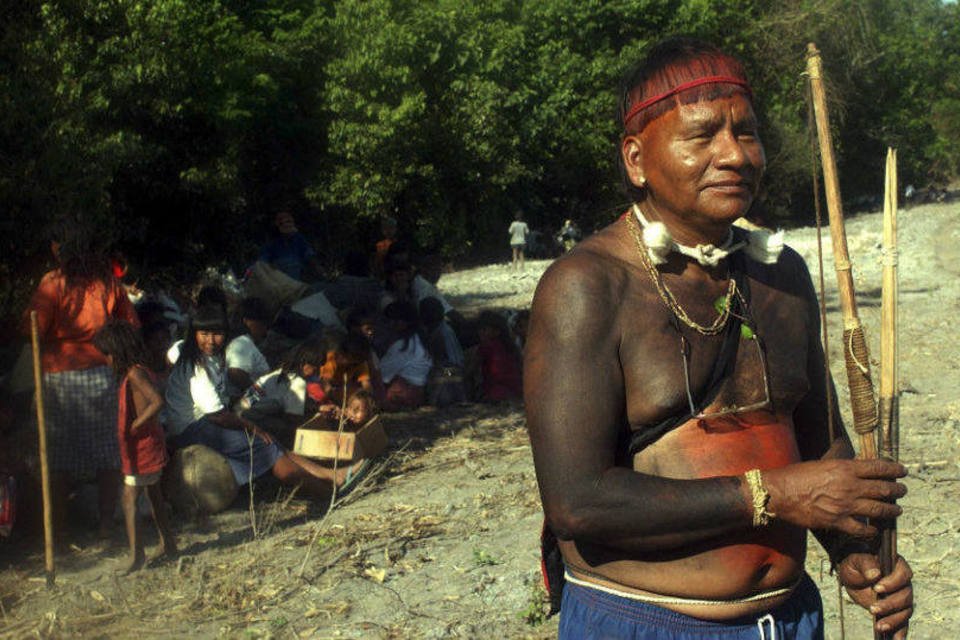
x: 676, y: 397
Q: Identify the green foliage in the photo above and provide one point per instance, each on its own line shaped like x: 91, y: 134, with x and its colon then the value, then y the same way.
x: 538, y: 604
x: 483, y: 558
x: 176, y: 128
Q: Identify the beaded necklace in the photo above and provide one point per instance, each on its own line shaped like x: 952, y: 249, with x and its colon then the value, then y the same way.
x: 724, y: 304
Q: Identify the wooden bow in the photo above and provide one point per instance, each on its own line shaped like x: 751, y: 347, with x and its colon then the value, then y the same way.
x: 856, y: 356
x: 855, y: 353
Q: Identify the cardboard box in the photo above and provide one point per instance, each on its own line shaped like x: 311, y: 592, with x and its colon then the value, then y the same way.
x: 315, y: 439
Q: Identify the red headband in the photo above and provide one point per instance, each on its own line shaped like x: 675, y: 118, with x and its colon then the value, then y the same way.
x: 640, y: 106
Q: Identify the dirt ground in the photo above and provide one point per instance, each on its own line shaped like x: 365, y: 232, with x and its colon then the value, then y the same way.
x: 440, y: 540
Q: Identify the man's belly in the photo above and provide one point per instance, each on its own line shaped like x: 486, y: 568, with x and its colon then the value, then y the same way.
x: 734, y: 566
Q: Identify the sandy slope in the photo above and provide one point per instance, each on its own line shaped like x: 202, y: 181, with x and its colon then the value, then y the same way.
x: 441, y: 541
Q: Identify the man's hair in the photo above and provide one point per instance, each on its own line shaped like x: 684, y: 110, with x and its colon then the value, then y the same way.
x: 668, y: 64
x: 121, y: 341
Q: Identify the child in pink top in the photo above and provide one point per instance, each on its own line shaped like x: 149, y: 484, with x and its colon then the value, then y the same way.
x: 143, y: 451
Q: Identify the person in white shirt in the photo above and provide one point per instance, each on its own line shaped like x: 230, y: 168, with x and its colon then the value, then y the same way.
x: 278, y: 401
x: 245, y: 362
x: 406, y: 365
x: 518, y: 239
x: 197, y: 413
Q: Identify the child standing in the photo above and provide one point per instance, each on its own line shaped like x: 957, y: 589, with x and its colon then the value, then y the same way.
x: 143, y: 452
x: 518, y: 239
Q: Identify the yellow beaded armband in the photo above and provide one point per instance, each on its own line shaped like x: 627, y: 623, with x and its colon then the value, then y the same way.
x: 761, y: 517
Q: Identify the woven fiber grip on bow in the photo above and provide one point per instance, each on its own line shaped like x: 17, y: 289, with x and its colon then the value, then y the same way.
x: 864, y: 404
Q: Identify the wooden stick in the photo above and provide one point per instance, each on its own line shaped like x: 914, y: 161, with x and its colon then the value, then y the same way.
x: 888, y: 315
x: 44, y: 465
x: 856, y: 355
x: 889, y: 400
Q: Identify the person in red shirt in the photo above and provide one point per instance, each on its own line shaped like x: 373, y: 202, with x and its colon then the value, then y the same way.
x: 499, y: 359
x: 72, y: 303
x: 143, y: 448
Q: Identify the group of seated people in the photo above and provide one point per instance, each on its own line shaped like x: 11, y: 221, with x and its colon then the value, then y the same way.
x: 244, y: 376
x: 241, y: 374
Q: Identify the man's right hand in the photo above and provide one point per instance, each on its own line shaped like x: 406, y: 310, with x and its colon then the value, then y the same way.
x: 836, y: 494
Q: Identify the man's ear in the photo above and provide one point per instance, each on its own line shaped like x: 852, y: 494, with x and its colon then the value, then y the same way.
x: 631, y: 151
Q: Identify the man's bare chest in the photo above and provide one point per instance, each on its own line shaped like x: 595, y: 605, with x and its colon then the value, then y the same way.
x: 669, y: 367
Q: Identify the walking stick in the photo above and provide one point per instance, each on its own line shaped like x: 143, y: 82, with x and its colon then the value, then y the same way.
x: 889, y: 396
x: 44, y: 465
x: 856, y: 357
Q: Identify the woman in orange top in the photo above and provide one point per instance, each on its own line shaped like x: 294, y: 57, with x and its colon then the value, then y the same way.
x: 73, y: 302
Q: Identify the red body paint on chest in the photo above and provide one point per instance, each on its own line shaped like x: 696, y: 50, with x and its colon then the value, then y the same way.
x: 729, y: 446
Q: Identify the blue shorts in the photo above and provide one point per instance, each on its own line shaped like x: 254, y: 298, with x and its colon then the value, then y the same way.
x: 589, y: 614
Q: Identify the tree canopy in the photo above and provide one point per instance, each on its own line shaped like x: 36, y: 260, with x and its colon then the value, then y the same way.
x: 175, y: 129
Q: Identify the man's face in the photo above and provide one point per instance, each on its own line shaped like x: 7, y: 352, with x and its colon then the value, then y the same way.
x: 703, y: 161
x: 285, y: 223
x: 210, y: 342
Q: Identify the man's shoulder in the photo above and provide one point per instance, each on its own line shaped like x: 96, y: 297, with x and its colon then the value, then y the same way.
x: 582, y: 266
x: 594, y: 272
x: 789, y: 275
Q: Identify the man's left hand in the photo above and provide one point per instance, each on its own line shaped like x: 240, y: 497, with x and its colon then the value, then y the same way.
x: 860, y: 574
